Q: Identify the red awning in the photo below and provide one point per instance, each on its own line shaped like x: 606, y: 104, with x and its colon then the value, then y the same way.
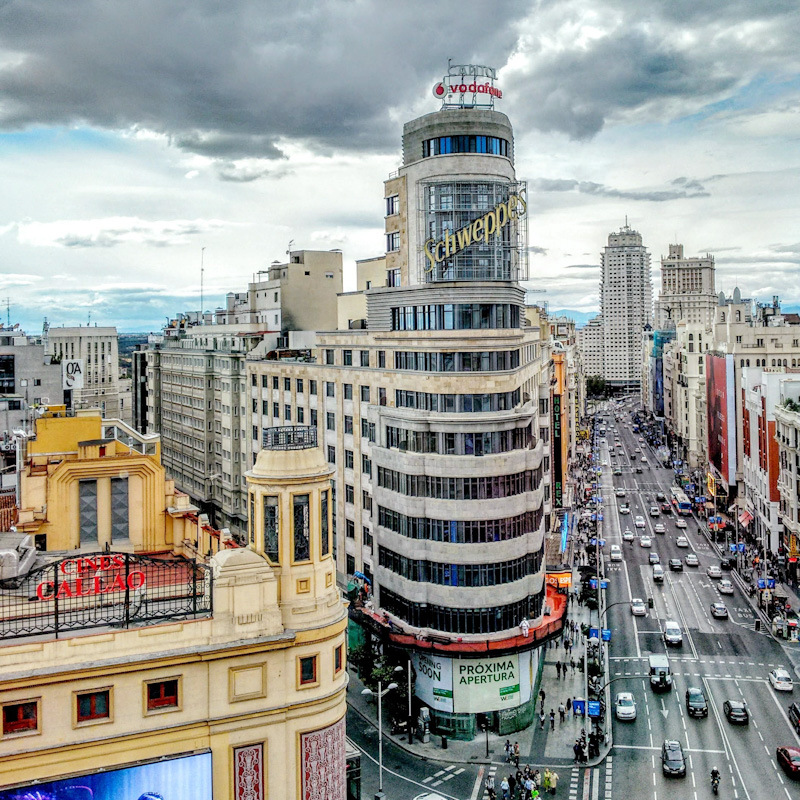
x: 745, y: 518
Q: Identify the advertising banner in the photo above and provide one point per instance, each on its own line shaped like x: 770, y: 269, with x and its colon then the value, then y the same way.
x: 721, y: 415
x: 486, y: 684
x: 434, y: 684
x: 558, y: 478
x: 72, y: 373
x: 187, y: 778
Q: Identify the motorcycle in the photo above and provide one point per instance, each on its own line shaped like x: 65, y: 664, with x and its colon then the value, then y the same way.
x: 715, y: 784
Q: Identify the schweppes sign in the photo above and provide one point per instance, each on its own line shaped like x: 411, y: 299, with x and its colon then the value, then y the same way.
x: 479, y: 230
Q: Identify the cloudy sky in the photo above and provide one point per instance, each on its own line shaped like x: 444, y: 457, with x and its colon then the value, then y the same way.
x: 133, y: 134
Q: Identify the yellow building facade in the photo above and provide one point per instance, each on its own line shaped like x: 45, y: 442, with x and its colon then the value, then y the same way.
x: 136, y: 674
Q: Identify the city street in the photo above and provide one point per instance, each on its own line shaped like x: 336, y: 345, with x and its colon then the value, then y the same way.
x: 726, y: 658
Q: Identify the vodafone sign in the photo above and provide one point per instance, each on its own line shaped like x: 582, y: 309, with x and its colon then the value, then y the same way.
x: 467, y: 86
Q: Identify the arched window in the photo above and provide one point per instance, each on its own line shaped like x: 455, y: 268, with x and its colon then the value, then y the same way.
x: 722, y: 317
x: 738, y: 316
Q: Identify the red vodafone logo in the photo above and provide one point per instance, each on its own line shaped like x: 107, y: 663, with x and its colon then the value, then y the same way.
x: 439, y: 90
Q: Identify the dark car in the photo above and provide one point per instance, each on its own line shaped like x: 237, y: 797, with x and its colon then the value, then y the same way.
x: 666, y: 508
x: 726, y: 564
x: 789, y: 760
x: 660, y: 496
x: 673, y: 762
x: 676, y: 565
x: 638, y: 470
x: 794, y: 716
x: 736, y: 712
x: 696, y: 704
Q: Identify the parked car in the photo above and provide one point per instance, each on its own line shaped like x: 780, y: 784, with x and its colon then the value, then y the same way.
x: 789, y: 760
x: 673, y: 763
x: 736, y: 712
x: 696, y: 705
x: 692, y: 560
x: 725, y: 586
x: 625, y: 706
x: 719, y: 610
x: 780, y: 680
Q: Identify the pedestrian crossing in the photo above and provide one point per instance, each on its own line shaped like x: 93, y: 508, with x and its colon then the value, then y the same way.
x: 585, y: 783
x: 741, y: 669
x: 445, y: 774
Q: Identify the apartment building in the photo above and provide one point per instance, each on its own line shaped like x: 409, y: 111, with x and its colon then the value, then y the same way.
x: 787, y: 434
x: 687, y: 289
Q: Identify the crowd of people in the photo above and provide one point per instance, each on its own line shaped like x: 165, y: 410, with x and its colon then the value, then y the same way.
x: 525, y: 784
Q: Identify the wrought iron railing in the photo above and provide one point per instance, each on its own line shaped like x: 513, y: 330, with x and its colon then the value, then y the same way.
x: 93, y: 590
x: 289, y: 437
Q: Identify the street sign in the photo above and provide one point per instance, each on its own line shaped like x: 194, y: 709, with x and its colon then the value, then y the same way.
x: 741, y: 547
x: 605, y: 634
x: 733, y: 547
x: 594, y: 708
x: 594, y: 633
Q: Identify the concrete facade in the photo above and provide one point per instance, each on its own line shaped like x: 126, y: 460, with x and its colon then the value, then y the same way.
x: 688, y: 290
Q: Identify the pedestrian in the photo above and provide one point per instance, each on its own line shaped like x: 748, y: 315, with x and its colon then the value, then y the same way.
x: 572, y: 664
x: 569, y: 704
x: 512, y: 785
x: 552, y: 720
x: 576, y: 748
x: 553, y: 782
x: 541, y: 719
x: 562, y: 712
x: 558, y: 670
x: 542, y: 695
x: 537, y: 780
x: 529, y: 788
x: 546, y: 781
x: 504, y: 787
x: 508, y: 750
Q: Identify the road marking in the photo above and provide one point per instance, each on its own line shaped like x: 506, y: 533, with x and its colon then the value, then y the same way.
x: 429, y: 778
x: 477, y: 786
x: 459, y: 771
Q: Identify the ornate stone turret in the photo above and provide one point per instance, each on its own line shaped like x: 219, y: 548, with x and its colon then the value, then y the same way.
x: 289, y: 523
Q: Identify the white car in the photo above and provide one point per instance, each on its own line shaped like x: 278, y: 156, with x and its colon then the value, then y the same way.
x: 682, y: 541
x: 643, y: 459
x: 638, y: 608
x: 645, y: 542
x: 620, y: 492
x: 714, y: 571
x: 628, y: 535
x: 692, y: 560
x: 616, y: 553
x: 781, y: 680
x: 639, y: 522
x: 640, y: 439
x: 680, y: 523
x: 624, y: 508
x: 659, y: 527
x: 725, y: 586
x: 624, y: 706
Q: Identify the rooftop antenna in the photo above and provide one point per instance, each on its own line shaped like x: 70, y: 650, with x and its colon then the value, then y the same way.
x: 289, y: 247
x: 202, y: 271
x: 89, y: 318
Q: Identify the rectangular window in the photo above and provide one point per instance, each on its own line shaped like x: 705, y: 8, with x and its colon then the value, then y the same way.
x: 338, y: 659
x: 20, y: 717
x: 271, y: 529
x: 366, y: 466
x: 308, y: 670
x: 393, y: 242
x: 366, y: 500
x: 329, y: 356
x: 299, y: 386
x: 364, y: 393
x: 348, y: 423
x: 312, y: 387
x: 324, y: 527
x: 330, y: 421
x: 274, y: 381
x: 330, y: 389
x: 349, y: 494
x: 381, y: 358
x: 302, y: 528
x: 287, y: 413
x: 347, y: 358
x: 350, y: 564
x: 276, y: 410
x: 331, y: 454
x: 313, y: 417
x: 348, y: 391
x: 162, y: 694
x: 381, y: 396
x: 300, y: 416
x: 365, y: 358
x: 93, y: 705
x: 348, y: 459
x: 392, y: 205
x: 287, y: 384
x: 350, y: 529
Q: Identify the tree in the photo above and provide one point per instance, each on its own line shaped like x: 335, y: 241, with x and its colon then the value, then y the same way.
x: 596, y: 387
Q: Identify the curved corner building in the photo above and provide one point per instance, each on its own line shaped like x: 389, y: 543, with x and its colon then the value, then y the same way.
x: 459, y: 468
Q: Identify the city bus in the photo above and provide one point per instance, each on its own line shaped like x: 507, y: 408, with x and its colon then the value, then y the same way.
x: 681, y: 502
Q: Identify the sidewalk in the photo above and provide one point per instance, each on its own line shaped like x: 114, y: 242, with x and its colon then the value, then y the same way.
x: 539, y: 748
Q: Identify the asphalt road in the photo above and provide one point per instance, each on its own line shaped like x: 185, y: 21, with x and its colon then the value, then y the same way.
x: 726, y: 658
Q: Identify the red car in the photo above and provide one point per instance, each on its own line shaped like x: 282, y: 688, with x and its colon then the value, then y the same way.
x: 789, y: 760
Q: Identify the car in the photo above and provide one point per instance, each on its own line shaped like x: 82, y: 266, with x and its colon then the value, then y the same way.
x: 714, y: 571
x: 628, y: 536
x: 794, y: 716
x: 638, y: 470
x: 789, y: 760
x: 673, y: 763
x: 654, y: 558
x: 658, y: 573
x: 736, y: 712
x: 681, y: 541
x: 618, y: 471
x: 676, y: 565
x: 625, y: 706
x: 672, y: 634
x: 638, y: 608
x: 620, y: 492
x: 692, y: 560
x: 696, y: 705
x: 780, y: 680
x: 654, y: 511
x: 666, y: 508
x: 719, y: 610
x: 659, y: 527
x: 624, y: 508
x: 660, y: 496
x: 680, y: 523
x: 645, y: 541
x: 726, y: 564
x: 640, y: 440
x: 643, y: 459
x: 636, y: 450
x: 616, y: 553
x: 725, y: 586
x: 604, y: 462
x: 639, y: 521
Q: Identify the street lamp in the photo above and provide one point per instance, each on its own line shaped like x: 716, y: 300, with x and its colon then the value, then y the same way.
x: 381, y: 693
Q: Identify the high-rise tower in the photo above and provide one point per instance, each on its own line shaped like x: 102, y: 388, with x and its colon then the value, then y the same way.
x: 625, y: 305
x: 687, y: 290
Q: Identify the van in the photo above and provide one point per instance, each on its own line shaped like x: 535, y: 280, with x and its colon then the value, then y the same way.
x: 660, y: 675
x: 658, y: 573
x: 616, y: 553
x: 672, y: 634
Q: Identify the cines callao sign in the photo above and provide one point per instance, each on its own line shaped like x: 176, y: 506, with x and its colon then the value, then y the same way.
x: 479, y: 230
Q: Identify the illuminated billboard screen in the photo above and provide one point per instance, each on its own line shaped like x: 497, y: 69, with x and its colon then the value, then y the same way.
x: 721, y: 416
x: 187, y: 778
